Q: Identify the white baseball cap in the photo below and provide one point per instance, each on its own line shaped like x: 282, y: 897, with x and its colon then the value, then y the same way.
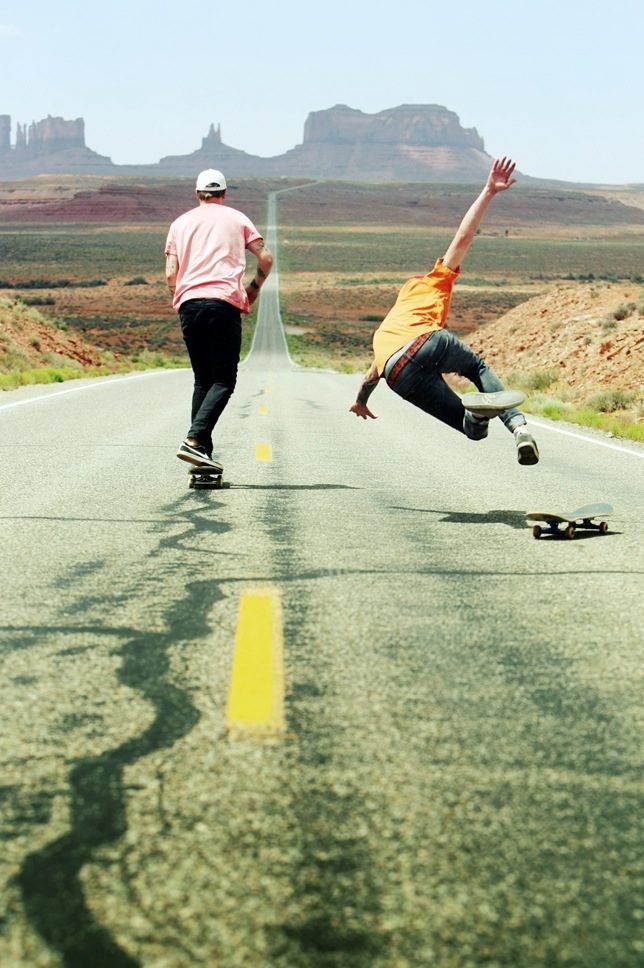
x: 210, y: 180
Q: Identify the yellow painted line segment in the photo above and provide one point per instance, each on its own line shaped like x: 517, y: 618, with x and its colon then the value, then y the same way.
x: 256, y: 697
x: 263, y: 409
x: 263, y: 452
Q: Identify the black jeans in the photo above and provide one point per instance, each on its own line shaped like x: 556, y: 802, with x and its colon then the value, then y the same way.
x: 212, y: 333
x: 421, y: 383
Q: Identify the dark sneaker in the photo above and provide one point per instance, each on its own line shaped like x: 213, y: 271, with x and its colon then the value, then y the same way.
x: 198, y: 456
x: 527, y: 450
x: 492, y: 404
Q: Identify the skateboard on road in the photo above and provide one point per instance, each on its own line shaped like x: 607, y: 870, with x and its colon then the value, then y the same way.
x: 204, y: 478
x: 563, y: 524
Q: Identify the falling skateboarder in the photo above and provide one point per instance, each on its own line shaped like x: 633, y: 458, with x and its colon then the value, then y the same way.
x: 413, y: 349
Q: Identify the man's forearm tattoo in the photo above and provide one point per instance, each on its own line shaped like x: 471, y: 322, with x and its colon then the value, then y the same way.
x: 369, y: 384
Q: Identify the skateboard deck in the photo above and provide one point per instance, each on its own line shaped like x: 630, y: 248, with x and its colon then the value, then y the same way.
x: 204, y: 478
x: 590, y: 517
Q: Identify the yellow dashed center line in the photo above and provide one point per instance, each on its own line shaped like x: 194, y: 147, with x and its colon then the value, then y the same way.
x: 263, y: 451
x: 256, y: 698
x: 263, y: 409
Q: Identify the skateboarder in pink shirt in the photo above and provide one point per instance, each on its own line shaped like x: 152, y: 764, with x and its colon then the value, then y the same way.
x: 205, y: 265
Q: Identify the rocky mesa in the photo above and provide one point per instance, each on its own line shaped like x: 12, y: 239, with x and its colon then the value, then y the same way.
x: 411, y: 142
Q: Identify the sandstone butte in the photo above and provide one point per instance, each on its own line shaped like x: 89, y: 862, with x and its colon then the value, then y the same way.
x: 411, y: 142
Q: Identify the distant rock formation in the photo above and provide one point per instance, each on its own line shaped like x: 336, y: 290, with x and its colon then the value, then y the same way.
x: 213, y: 152
x: 53, y: 145
x: 412, y: 142
x: 5, y: 133
x: 426, y: 125
x: 50, y: 135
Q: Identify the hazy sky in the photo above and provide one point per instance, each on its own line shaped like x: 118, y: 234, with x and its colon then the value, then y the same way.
x: 556, y: 84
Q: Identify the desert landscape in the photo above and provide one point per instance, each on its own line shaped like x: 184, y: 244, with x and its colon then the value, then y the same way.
x: 552, y: 292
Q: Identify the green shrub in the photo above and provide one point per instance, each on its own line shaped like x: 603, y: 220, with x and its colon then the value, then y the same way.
x: 537, y: 380
x: 556, y: 409
x: 54, y: 284
x: 43, y: 284
x: 624, y: 311
x: 38, y: 300
x: 609, y: 401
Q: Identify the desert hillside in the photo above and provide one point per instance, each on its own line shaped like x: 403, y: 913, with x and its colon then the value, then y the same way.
x: 29, y: 341
x: 592, y: 333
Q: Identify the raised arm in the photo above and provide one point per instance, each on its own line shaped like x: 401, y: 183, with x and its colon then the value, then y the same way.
x: 499, y: 180
x: 264, y: 265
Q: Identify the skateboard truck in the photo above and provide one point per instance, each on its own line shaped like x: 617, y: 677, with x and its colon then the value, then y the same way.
x: 204, y: 478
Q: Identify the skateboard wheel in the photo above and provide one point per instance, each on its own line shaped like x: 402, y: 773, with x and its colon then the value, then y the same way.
x: 570, y: 531
x: 191, y: 481
x: 536, y: 531
x: 603, y: 527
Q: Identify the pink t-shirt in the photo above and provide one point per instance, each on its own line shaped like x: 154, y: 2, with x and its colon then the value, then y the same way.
x: 210, y: 243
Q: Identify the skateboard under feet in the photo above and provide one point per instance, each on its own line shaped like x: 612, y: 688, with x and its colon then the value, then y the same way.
x: 204, y: 478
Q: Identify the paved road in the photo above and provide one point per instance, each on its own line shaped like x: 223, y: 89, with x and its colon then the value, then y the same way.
x: 442, y: 762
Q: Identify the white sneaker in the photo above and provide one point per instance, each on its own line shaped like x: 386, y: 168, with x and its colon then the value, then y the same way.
x: 527, y: 450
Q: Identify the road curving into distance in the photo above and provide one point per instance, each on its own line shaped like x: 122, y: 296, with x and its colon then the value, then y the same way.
x: 345, y: 711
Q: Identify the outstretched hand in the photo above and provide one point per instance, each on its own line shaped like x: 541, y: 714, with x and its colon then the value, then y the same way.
x: 361, y: 410
x: 500, y: 177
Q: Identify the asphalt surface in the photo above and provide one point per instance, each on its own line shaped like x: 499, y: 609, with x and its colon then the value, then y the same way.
x: 458, y: 778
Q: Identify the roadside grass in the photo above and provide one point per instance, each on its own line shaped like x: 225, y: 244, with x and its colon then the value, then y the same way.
x: 60, y: 374
x: 612, y: 411
x: 626, y: 423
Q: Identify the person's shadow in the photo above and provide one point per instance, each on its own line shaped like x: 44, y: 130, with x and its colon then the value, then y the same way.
x: 513, y: 519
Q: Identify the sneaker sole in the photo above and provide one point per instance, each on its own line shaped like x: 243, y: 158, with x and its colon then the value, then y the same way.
x: 492, y: 404
x: 199, y: 462
x: 527, y: 455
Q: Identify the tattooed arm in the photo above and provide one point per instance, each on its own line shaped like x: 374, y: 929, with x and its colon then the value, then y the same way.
x: 171, y: 269
x: 264, y: 265
x: 368, y: 385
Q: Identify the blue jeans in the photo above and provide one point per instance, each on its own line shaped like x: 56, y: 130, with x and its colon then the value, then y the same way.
x: 421, y: 382
x: 212, y: 333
